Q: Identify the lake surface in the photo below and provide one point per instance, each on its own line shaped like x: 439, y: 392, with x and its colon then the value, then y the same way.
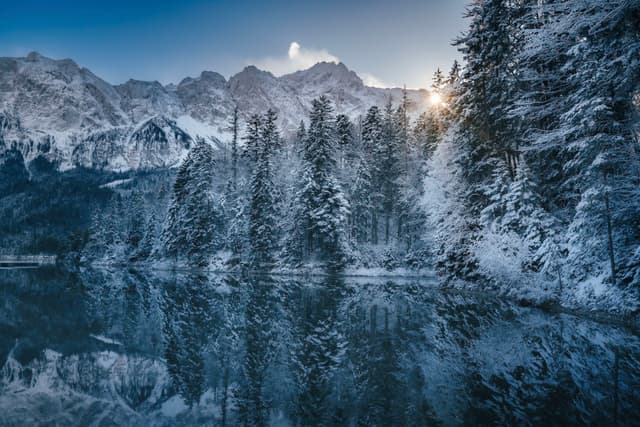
x: 138, y: 348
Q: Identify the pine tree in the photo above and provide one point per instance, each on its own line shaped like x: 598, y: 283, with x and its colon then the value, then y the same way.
x: 262, y: 233
x: 426, y: 134
x: 252, y: 138
x: 371, y: 141
x: 361, y: 203
x: 301, y: 135
x: 454, y: 73
x: 386, y: 155
x: 135, y: 223
x: 148, y: 243
x: 321, y: 202
x: 485, y: 132
x: 270, y: 138
x: 438, y: 81
x: 344, y: 130
x: 237, y: 238
x: 403, y: 127
x: 193, y: 222
x: 576, y: 104
x: 234, y: 127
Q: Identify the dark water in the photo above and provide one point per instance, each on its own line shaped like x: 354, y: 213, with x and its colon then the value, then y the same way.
x: 139, y: 348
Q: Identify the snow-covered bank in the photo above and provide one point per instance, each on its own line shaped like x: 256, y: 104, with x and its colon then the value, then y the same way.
x: 220, y: 266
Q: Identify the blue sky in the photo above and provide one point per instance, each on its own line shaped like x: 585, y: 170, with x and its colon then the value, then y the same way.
x: 391, y: 42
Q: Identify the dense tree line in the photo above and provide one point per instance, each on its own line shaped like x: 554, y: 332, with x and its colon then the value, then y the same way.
x: 539, y: 152
x: 337, y: 192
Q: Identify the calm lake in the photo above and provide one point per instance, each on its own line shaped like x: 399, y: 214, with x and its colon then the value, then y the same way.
x: 118, y: 347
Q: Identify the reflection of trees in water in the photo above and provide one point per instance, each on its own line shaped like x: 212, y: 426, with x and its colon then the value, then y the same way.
x: 317, y: 351
x: 259, y: 352
x: 226, y: 342
x: 389, y: 387
x: 186, y: 319
x: 325, y: 352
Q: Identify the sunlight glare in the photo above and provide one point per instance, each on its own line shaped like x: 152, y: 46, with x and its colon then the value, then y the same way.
x: 435, y: 99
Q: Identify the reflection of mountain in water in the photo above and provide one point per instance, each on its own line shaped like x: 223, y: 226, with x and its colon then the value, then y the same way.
x: 140, y: 349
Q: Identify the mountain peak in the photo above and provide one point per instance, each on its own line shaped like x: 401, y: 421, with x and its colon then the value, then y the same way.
x: 212, y: 76
x: 331, y: 73
x: 251, y: 76
x: 252, y: 70
x: 34, y: 56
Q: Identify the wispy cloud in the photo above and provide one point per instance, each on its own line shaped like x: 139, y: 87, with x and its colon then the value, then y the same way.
x: 297, y: 58
x: 371, y: 80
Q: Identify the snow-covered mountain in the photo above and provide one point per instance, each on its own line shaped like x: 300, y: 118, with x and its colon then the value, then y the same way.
x: 64, y: 112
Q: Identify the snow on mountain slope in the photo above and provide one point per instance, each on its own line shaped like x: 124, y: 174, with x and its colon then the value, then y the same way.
x: 206, y: 98
x: 142, y: 100
x: 57, y: 95
x: 59, y: 110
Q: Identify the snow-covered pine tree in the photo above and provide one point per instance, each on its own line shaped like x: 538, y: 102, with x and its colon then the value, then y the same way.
x: 601, y: 141
x: 252, y: 138
x: 581, y: 72
x: 234, y: 128
x: 387, y: 157
x: 148, y: 244
x: 454, y: 73
x: 361, y: 204
x: 403, y: 126
x: 371, y: 140
x: 262, y: 215
x: 479, y: 107
x: 426, y: 134
x: 270, y: 137
x: 301, y: 136
x: 344, y: 130
x: 438, y: 81
x: 135, y: 223
x: 321, y: 197
x: 237, y: 238
x: 193, y: 224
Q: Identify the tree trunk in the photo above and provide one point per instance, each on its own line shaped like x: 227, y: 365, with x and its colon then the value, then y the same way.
x: 616, y: 373
x: 610, y: 239
x: 386, y: 228
x: 374, y: 227
x: 225, y: 387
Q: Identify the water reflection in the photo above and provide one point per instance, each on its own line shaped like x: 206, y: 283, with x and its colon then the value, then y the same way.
x: 140, y: 348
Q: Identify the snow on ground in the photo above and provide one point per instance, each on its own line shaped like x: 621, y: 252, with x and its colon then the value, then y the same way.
x: 196, y: 128
x: 116, y: 183
x: 173, y: 406
x: 105, y: 340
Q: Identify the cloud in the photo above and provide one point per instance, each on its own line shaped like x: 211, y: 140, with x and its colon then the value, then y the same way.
x: 371, y: 80
x: 298, y: 58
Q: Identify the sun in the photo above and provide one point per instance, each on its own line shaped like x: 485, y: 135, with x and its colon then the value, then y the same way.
x: 435, y: 99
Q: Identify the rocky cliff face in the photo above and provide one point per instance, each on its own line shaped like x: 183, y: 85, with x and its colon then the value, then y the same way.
x: 65, y: 113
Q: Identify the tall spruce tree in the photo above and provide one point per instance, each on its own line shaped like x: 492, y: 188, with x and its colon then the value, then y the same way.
x: 371, y: 141
x: 321, y: 198
x: 234, y: 128
x: 193, y: 224
x: 387, y: 156
x: 252, y: 138
x: 262, y: 222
